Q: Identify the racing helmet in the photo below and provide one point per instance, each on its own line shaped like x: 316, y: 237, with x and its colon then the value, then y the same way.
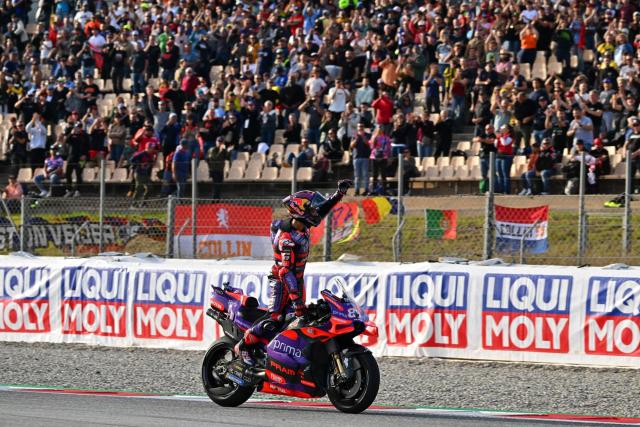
x: 303, y: 206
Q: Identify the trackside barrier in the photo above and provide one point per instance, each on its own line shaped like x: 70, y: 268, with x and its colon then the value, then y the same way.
x: 586, y: 316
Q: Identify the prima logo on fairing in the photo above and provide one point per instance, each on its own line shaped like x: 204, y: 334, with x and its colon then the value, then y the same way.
x: 286, y: 348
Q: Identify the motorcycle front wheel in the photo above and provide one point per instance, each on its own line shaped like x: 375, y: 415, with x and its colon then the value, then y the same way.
x: 221, y: 390
x: 361, y: 390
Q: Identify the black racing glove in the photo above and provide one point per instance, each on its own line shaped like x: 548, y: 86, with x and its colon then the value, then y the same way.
x: 299, y: 307
x: 344, y: 185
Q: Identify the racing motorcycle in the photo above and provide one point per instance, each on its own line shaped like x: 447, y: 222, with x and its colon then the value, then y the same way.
x: 311, y: 357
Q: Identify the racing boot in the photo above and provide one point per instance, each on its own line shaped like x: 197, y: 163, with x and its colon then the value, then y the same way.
x: 243, y: 351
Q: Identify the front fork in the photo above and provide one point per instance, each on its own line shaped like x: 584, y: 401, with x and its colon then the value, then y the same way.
x: 341, y: 373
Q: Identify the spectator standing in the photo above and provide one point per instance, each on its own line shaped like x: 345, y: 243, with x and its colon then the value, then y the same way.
x: 78, y: 144
x: 181, y: 165
x: 545, y: 164
x: 37, y: 140
x: 365, y: 93
x: 268, y: 123
x: 380, y: 145
x: 338, y: 97
x: 505, y: 148
x: 361, y: 152
x: 293, y: 130
x: 481, y: 114
x: 142, y: 163
x: 53, y: 169
x: 216, y: 157
x: 383, y: 107
x: 581, y: 128
x: 487, y: 140
x: 170, y: 135
x: 313, y: 119
x: 632, y: 142
x: 528, y: 42
x: 117, y: 137
x: 524, y: 111
x: 528, y: 177
x: 444, y: 132
x: 539, y: 120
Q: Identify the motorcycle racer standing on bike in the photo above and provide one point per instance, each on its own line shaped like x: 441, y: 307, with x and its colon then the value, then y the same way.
x: 290, y: 239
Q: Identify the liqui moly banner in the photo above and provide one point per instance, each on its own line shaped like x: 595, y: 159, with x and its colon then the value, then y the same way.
x: 517, y: 226
x: 587, y: 316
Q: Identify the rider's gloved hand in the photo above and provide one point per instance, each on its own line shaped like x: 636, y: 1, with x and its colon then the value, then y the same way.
x: 344, y: 185
x: 299, y: 307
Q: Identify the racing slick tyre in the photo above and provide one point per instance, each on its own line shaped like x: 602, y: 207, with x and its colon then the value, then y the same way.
x: 358, y: 393
x: 218, y: 387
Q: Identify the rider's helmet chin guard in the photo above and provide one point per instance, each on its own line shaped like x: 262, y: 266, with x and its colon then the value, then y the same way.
x: 303, y: 206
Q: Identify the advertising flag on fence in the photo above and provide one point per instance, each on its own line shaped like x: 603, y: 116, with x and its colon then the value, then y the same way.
x: 225, y: 230
x: 440, y: 224
x: 375, y: 209
x: 345, y: 225
x: 512, y: 224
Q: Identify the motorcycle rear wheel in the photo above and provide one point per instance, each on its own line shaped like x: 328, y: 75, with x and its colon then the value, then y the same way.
x: 221, y: 390
x: 357, y: 395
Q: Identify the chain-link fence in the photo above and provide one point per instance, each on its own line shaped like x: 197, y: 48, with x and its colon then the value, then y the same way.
x: 427, y: 229
x: 570, y: 230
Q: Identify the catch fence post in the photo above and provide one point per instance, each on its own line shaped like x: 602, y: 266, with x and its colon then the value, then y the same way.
x: 626, y: 220
x: 194, y: 205
x: 487, y: 251
x: 294, y: 178
x: 399, y: 224
x: 23, y: 222
x: 101, y: 209
x: 582, y: 226
x: 326, y: 252
x: 170, y: 227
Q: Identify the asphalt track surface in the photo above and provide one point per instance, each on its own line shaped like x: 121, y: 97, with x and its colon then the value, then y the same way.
x: 30, y: 408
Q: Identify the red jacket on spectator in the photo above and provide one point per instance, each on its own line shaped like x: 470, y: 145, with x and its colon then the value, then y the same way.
x: 189, y: 85
x: 384, y: 110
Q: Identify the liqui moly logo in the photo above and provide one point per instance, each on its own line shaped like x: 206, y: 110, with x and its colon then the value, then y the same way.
x: 94, y: 301
x: 168, y: 304
x: 252, y: 284
x: 612, y: 322
x: 24, y: 300
x: 427, y: 309
x: 526, y: 312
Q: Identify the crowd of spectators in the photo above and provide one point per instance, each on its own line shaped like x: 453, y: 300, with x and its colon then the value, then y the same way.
x: 374, y: 78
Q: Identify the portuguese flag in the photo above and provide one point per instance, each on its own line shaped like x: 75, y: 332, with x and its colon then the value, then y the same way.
x: 440, y: 224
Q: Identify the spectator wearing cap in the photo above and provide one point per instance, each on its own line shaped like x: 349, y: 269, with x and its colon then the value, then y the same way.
x: 250, y: 123
x: 539, y: 120
x: 52, y: 171
x: 603, y: 162
x: 181, y: 165
x: 216, y: 158
x: 581, y: 128
x: 169, y: 59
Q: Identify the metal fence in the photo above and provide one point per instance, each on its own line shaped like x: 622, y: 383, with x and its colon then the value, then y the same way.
x: 579, y: 229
